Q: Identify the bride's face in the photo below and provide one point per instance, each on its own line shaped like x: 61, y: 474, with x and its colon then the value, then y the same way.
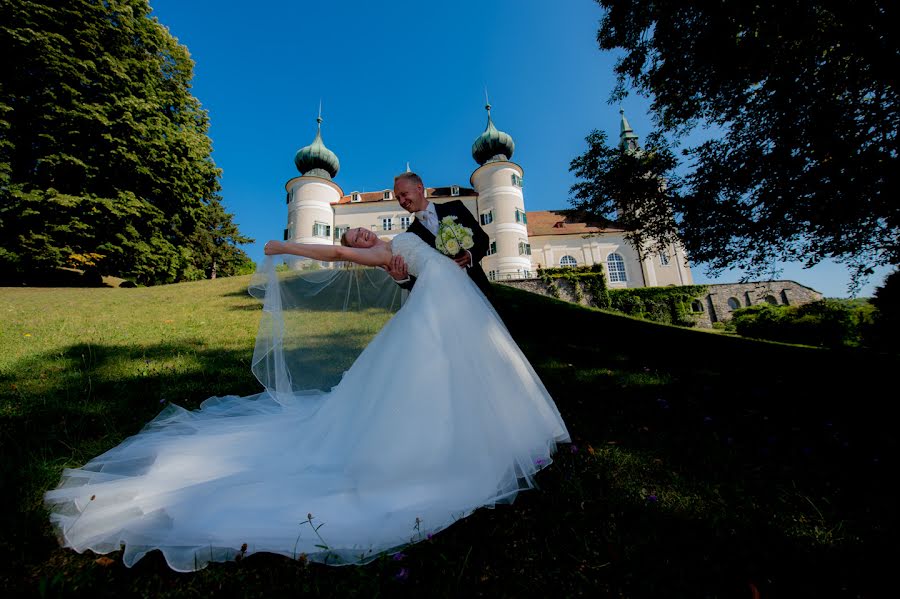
x: 360, y: 237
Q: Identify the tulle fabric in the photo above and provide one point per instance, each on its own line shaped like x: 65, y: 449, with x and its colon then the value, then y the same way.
x: 440, y: 414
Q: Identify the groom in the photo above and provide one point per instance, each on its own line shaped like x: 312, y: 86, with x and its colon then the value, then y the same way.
x: 410, y: 193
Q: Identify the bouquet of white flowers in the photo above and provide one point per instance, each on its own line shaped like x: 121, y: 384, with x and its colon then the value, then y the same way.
x: 453, y: 238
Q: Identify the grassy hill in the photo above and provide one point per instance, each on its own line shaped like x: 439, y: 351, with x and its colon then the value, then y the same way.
x: 702, y: 465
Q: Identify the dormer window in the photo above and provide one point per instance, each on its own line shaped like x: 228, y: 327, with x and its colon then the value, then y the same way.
x: 454, y: 190
x: 388, y: 195
x: 354, y: 197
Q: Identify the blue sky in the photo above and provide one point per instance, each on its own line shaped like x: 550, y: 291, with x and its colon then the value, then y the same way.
x: 404, y: 81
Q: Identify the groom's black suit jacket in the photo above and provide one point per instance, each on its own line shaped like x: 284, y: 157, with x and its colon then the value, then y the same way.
x: 479, y: 250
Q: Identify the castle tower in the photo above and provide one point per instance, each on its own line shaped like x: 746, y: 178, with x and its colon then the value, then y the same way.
x: 309, y: 196
x: 501, y: 205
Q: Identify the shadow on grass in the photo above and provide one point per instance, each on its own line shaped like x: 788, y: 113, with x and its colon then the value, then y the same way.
x: 85, y: 399
x: 700, y: 465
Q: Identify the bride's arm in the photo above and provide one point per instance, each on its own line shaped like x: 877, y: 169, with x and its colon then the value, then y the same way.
x: 379, y: 255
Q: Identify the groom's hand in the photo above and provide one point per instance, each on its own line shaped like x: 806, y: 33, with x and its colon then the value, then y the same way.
x: 397, y: 269
x: 464, y: 260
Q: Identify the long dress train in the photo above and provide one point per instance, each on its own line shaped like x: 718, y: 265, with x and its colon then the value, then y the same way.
x: 377, y: 463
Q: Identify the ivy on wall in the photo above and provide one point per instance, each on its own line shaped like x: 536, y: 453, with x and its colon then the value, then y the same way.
x: 669, y: 305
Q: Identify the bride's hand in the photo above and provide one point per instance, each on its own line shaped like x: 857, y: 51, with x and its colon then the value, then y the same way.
x: 272, y: 247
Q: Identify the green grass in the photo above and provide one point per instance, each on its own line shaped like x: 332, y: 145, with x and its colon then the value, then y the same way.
x: 701, y: 465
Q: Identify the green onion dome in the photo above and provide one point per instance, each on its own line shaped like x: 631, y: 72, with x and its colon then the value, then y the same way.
x: 316, y: 160
x: 492, y: 145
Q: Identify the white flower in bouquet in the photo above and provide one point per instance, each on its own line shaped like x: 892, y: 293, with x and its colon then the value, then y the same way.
x: 453, y: 238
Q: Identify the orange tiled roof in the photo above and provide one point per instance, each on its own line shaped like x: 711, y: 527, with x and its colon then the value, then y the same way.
x: 564, y: 222
x: 431, y: 192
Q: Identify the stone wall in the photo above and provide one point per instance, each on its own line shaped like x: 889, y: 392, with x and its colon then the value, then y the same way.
x: 711, y: 307
x: 566, y: 289
x: 717, y: 307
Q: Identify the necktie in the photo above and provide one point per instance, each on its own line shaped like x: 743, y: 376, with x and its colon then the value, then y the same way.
x: 425, y: 217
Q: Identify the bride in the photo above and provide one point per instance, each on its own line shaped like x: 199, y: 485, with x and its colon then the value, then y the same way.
x: 342, y: 476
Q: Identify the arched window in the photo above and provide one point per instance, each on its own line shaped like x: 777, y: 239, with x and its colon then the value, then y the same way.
x: 770, y: 299
x: 734, y: 303
x: 568, y: 261
x: 697, y: 306
x: 616, y: 266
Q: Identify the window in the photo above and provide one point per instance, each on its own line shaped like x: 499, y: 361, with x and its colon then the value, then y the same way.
x: 524, y: 248
x: 404, y: 222
x: 696, y: 306
x: 516, y: 180
x: 770, y: 299
x: 616, y: 266
x: 354, y: 197
x: 492, y: 249
x: 386, y: 223
x: 734, y: 303
x: 321, y: 230
x: 487, y: 217
x: 285, y: 234
x: 664, y: 258
x: 454, y: 190
x: 521, y: 217
x: 387, y: 195
x: 492, y: 275
x: 289, y: 197
x: 568, y: 262
x: 339, y: 231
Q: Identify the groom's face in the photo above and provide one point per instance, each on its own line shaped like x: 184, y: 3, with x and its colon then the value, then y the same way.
x: 410, y: 195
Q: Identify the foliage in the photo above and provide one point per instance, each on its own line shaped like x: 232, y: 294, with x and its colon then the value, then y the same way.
x: 701, y: 464
x: 580, y: 277
x: 827, y: 323
x: 885, y: 330
x: 103, y: 150
x: 635, y: 190
x: 668, y: 305
x: 802, y: 100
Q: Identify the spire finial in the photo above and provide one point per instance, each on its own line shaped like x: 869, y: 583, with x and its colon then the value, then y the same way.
x: 487, y: 101
x: 407, y: 167
x: 319, y: 118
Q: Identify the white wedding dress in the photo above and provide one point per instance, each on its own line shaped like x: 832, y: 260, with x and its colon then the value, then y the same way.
x: 379, y: 464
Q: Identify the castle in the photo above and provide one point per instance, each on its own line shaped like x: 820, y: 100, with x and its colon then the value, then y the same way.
x: 520, y: 241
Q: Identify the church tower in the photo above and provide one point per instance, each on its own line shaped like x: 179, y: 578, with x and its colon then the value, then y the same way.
x: 501, y: 205
x: 628, y: 139
x: 309, y: 196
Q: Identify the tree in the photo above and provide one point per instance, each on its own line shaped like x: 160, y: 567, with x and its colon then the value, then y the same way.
x: 103, y: 149
x: 635, y: 190
x: 805, y: 95
x: 216, y: 240
x: 885, y: 332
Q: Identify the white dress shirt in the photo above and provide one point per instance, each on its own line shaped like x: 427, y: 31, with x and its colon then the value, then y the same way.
x: 429, y: 218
